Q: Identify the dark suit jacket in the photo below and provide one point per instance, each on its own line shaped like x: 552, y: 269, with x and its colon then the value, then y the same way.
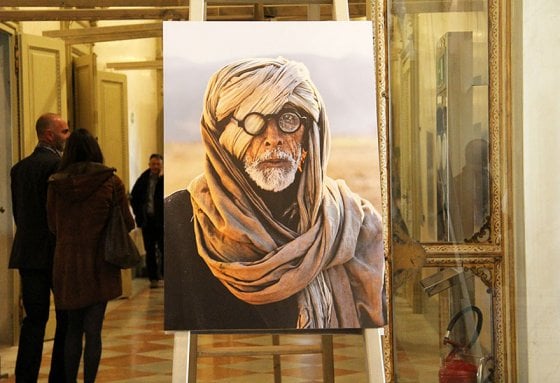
x: 33, y: 246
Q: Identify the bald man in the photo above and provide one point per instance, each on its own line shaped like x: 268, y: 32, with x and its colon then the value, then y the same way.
x: 33, y: 249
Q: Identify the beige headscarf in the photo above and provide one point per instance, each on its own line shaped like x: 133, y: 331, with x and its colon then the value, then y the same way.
x: 334, y: 260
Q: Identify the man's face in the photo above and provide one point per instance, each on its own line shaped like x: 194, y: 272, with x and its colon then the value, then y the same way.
x: 272, y: 157
x: 156, y: 165
x: 58, y: 133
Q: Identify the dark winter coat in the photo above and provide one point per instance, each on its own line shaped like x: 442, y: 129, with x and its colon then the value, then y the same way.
x: 33, y: 246
x: 78, y: 205
x: 194, y: 298
x: 139, y: 198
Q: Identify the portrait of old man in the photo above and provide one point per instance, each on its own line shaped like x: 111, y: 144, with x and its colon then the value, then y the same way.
x: 263, y: 238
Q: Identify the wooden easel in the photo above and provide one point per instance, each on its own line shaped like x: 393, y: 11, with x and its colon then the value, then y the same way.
x: 186, y: 353
x: 186, y: 350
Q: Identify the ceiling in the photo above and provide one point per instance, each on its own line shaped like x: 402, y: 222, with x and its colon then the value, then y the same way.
x: 223, y: 10
x: 80, y: 18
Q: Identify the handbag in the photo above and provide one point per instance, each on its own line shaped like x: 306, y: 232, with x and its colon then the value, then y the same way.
x: 117, y: 245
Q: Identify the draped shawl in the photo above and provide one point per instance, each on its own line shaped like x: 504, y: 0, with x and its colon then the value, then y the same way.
x: 333, y: 262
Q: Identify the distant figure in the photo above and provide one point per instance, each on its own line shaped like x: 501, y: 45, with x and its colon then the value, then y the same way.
x: 147, y: 204
x: 263, y: 238
x: 80, y: 196
x: 33, y: 250
x: 471, y: 192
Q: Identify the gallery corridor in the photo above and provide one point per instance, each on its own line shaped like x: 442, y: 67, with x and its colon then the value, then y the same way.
x: 136, y: 349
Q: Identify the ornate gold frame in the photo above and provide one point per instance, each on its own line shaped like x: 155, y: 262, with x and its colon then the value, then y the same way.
x: 489, y: 258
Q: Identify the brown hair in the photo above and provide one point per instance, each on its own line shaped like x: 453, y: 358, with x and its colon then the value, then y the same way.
x: 81, y: 147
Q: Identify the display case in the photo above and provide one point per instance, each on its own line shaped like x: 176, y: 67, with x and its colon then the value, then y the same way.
x: 443, y: 102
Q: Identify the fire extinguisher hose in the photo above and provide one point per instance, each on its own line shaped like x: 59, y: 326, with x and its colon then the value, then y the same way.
x: 454, y: 320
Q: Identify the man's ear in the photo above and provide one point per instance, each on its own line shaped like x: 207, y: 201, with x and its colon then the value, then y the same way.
x: 48, y: 136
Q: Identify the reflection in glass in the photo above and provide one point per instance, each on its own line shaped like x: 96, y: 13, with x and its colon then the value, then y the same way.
x: 440, y: 180
x: 439, y: 117
x: 469, y: 196
x: 427, y: 307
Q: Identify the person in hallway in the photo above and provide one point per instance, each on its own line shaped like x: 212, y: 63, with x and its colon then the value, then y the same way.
x: 264, y: 239
x: 79, y: 199
x: 146, y: 199
x: 33, y: 250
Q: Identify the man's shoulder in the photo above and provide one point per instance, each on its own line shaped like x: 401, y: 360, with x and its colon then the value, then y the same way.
x: 145, y: 175
x: 142, y: 180
x: 179, y: 200
x: 39, y: 158
x: 178, y: 210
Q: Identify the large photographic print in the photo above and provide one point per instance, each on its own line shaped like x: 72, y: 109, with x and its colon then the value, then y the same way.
x: 272, y: 177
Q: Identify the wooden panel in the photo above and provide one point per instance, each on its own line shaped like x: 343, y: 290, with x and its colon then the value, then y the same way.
x: 177, y: 13
x: 112, y: 129
x: 93, y: 3
x: 99, y: 34
x: 136, y: 65
x: 8, y: 305
x: 43, y: 84
x: 85, y: 112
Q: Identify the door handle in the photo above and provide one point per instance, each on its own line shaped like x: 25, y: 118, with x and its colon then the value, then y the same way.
x: 2, y: 210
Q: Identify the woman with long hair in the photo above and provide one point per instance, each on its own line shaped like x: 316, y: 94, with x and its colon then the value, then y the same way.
x: 79, y: 199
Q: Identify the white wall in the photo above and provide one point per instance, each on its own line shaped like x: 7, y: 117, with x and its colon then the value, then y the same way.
x: 538, y: 273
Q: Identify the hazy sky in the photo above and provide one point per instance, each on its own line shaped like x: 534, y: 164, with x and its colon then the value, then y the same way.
x: 339, y: 56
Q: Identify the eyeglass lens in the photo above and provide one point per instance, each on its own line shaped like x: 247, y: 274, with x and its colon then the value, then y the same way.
x: 288, y: 122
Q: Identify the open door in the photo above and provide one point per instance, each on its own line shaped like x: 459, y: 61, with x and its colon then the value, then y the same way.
x: 42, y: 75
x: 113, y: 121
x: 84, y: 94
x: 9, y: 329
x: 112, y: 133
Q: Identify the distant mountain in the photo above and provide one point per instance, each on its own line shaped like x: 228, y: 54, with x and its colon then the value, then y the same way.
x: 346, y: 84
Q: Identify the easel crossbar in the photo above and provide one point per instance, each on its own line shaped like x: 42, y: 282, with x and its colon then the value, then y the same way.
x: 258, y: 350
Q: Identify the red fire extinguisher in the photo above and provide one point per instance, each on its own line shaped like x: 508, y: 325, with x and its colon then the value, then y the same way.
x: 456, y: 367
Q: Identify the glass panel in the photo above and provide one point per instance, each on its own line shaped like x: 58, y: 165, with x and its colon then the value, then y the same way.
x: 424, y: 308
x: 438, y: 62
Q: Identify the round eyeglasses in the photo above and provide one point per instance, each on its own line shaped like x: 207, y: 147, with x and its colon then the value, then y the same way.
x: 288, y: 121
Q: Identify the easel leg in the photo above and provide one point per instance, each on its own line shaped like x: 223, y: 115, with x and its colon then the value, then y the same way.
x: 374, y: 355
x: 192, y: 363
x: 276, y: 367
x: 328, y: 358
x: 180, y: 357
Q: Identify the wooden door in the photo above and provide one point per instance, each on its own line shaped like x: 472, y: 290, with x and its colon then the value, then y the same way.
x: 112, y: 132
x: 43, y: 88
x: 9, y: 329
x: 84, y: 93
x: 113, y: 121
x: 42, y: 75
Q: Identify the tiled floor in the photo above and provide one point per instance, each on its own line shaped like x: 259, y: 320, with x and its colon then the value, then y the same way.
x: 136, y: 349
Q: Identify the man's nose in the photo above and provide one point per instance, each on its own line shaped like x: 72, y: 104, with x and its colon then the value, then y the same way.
x: 273, y: 134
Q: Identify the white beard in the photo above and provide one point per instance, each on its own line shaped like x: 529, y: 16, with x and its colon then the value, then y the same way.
x: 272, y: 178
